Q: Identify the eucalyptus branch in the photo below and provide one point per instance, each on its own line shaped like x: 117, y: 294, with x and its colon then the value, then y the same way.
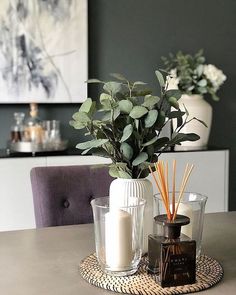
x: 111, y: 141
x: 130, y: 89
x: 185, y: 122
x: 162, y: 100
x: 130, y: 136
x: 140, y: 172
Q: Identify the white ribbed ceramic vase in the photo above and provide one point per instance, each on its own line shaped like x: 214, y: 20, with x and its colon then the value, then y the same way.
x: 121, y: 189
x: 201, y: 109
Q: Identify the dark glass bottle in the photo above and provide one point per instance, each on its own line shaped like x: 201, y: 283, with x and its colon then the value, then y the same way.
x: 172, y: 257
x: 17, y: 130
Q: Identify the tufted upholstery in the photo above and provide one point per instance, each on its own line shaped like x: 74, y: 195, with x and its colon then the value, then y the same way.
x: 62, y: 194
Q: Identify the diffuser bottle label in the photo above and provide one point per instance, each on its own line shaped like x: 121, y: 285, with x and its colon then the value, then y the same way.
x: 179, y: 263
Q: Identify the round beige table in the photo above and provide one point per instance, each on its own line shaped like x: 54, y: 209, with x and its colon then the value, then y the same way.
x: 45, y: 261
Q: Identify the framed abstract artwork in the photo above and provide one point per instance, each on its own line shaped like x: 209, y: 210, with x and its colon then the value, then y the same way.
x: 43, y: 51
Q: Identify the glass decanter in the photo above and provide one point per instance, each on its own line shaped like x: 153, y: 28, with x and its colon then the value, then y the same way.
x: 17, y: 130
x: 33, y: 128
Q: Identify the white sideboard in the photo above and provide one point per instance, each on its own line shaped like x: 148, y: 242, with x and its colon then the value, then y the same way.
x: 210, y: 177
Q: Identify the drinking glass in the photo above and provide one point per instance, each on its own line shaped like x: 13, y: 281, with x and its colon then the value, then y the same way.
x: 192, y: 205
x: 52, y: 136
x: 118, y: 235
x: 55, y: 131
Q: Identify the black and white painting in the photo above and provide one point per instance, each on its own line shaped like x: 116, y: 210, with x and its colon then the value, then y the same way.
x: 43, y: 51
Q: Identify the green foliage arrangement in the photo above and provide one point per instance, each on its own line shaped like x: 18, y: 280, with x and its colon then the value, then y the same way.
x: 125, y: 125
x: 191, y: 75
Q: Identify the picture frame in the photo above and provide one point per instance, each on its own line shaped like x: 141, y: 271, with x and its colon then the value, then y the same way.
x: 43, y: 51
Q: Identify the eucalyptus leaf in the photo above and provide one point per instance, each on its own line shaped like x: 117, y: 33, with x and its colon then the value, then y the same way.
x: 202, y: 83
x: 112, y: 87
x: 127, y: 132
x: 201, y: 59
x: 116, y: 113
x: 142, y: 157
x: 173, y: 93
x: 114, y: 172
x: 125, y: 106
x: 215, y: 97
x: 175, y: 114
x: 160, y: 143
x: 126, y: 150
x: 150, y: 150
x: 104, y: 97
x: 180, y: 137
x: 138, y: 112
x: 94, y: 81
x: 150, y: 101
x: 153, y: 140
x: 118, y: 76
x: 121, y: 165
x: 76, y: 115
x: 76, y: 124
x: 202, y: 90
x: 91, y: 144
x: 160, y: 78
x: 137, y: 135
x: 81, y: 117
x: 144, y: 165
x: 139, y: 83
x: 178, y: 115
x: 92, y: 109
x: 100, y: 152
x: 190, y: 88
x: 173, y: 102
x: 160, y: 120
x: 151, y: 118
x: 142, y: 92
x: 199, y: 70
x: 134, y: 100
x: 86, y: 106
x: 192, y: 136
x: 106, y: 101
x: 85, y: 151
x: 106, y: 116
x: 124, y: 174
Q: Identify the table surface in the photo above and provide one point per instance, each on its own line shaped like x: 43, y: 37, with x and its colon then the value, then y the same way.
x: 46, y: 261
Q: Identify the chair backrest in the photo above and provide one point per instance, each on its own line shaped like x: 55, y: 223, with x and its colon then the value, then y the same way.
x: 62, y: 194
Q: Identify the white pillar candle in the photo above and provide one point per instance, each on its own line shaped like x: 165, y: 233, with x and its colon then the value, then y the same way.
x: 118, y: 239
x: 185, y: 209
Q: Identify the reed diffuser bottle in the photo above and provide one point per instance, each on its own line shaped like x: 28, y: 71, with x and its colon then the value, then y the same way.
x: 171, y: 255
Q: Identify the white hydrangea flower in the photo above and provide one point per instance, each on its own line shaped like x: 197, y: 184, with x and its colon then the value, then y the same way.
x: 214, y: 75
x: 172, y: 81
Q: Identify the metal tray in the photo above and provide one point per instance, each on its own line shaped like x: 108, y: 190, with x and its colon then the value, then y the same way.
x: 31, y: 147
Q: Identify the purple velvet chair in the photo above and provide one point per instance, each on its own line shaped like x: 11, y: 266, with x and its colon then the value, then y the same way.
x: 62, y: 195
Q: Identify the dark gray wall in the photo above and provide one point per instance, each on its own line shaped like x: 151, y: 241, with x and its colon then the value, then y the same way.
x: 130, y: 36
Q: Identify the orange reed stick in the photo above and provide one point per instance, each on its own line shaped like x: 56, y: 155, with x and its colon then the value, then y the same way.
x: 158, y: 186
x: 161, y: 178
x: 161, y: 170
x: 173, y: 187
x: 183, y: 188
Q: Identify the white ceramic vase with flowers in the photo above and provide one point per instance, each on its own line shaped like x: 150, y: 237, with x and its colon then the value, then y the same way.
x: 194, y: 79
x: 125, y: 126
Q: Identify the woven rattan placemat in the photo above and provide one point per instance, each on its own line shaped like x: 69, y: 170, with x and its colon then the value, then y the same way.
x: 209, y: 273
